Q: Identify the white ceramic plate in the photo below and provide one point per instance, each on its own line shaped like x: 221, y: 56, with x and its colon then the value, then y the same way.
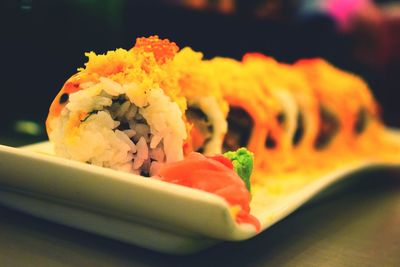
x: 142, y: 211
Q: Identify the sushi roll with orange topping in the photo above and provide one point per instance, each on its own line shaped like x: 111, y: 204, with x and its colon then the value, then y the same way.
x: 206, y: 107
x: 346, y: 102
x: 123, y: 110
x: 252, y: 110
x: 137, y: 109
x: 132, y: 110
x: 296, y: 123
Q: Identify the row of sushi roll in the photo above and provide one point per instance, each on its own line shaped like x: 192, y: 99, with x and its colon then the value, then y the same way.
x: 147, y: 109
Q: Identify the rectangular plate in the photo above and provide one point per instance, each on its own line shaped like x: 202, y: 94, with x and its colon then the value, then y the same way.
x: 141, y: 211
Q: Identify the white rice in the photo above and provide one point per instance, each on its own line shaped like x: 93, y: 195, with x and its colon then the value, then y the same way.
x: 211, y: 109
x: 135, y: 136
x: 291, y: 110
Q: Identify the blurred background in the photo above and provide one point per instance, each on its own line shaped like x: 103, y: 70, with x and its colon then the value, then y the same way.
x: 43, y: 43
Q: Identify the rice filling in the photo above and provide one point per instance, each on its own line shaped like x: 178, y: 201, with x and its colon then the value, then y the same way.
x: 103, y: 126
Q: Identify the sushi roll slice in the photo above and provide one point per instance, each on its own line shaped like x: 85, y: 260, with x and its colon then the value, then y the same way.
x: 206, y: 108
x: 307, y: 120
x: 297, y: 122
x: 124, y: 110
x: 267, y: 72
x: 252, y: 111
x: 346, y: 104
x: 299, y: 115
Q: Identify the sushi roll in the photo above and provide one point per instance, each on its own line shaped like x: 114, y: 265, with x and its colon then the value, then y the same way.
x: 136, y: 109
x: 252, y: 110
x: 264, y: 70
x: 346, y: 104
x: 299, y: 115
x: 292, y: 133
x: 124, y: 110
x: 206, y: 107
x: 307, y: 120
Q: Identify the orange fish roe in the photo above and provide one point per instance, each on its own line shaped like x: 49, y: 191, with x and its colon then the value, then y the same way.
x: 162, y: 49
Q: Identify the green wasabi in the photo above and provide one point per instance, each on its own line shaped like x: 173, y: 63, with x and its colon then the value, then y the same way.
x: 242, y: 161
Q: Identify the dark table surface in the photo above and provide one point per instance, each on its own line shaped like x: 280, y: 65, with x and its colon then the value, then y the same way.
x: 356, y: 224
